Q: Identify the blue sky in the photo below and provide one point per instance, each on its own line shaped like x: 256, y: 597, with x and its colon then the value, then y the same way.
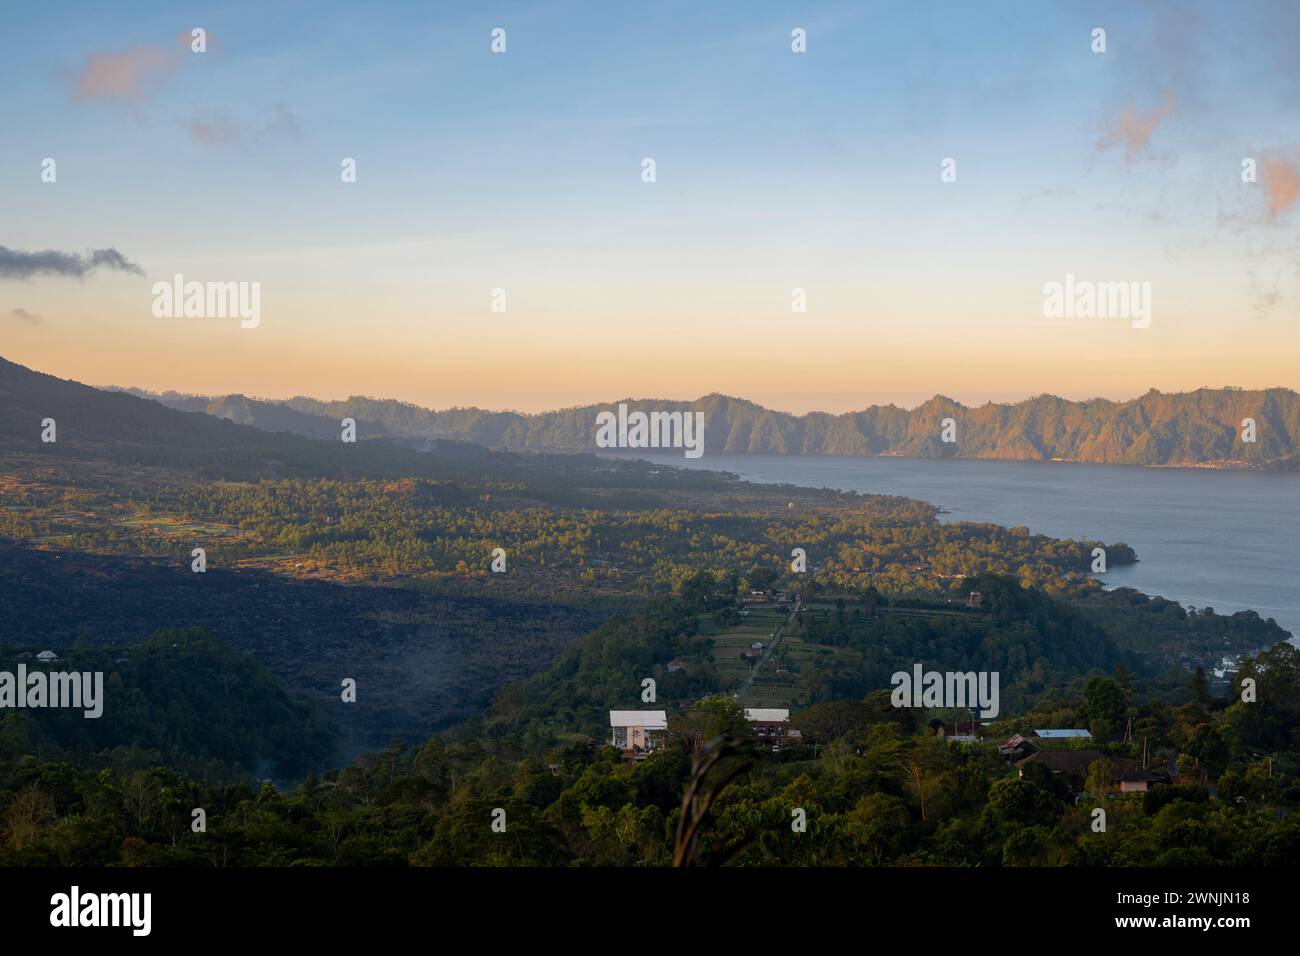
x: 774, y: 170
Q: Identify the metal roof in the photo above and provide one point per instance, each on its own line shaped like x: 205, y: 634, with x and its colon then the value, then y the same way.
x: 1049, y: 734
x: 767, y: 714
x: 649, y: 719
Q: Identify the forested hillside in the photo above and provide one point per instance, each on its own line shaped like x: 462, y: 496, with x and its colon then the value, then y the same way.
x: 328, y: 562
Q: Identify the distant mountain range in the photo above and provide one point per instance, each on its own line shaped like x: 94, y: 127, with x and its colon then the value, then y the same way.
x: 1201, y: 428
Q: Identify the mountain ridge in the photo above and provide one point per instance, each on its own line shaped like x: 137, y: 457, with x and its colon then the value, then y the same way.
x: 1200, y: 428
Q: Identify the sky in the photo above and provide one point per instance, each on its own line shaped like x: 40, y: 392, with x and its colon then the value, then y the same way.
x: 774, y: 171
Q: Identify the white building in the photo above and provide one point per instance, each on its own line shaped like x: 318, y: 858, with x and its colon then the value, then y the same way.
x: 637, y: 732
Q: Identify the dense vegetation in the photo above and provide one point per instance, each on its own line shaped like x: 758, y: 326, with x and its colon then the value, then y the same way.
x: 181, y: 698
x: 399, y: 529
x: 421, y: 661
x: 875, y: 784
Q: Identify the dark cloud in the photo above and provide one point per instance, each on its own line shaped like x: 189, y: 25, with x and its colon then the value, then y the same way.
x: 16, y: 264
x: 22, y: 315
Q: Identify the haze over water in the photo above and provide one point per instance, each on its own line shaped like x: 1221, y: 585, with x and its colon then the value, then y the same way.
x: 1220, y: 539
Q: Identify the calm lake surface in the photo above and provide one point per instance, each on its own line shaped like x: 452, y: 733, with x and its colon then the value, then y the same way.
x: 1229, y: 540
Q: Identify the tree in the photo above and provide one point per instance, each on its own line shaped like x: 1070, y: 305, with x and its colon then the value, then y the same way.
x: 827, y: 721
x: 1206, y: 746
x: 1101, y: 777
x: 1104, y: 704
x: 28, y: 815
x: 1027, y: 847
x: 877, y: 824
x: 920, y: 765
x: 1200, y: 687
x: 707, y: 720
x: 1018, y: 802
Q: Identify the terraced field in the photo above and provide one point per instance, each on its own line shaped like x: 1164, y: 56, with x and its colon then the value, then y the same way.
x: 778, y: 682
x: 729, y: 650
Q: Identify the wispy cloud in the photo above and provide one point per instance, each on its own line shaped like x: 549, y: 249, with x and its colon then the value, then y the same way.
x: 1265, y: 298
x: 217, y: 128
x: 16, y: 264
x: 1133, y: 128
x: 126, y: 76
x: 220, y: 128
x: 22, y: 315
x: 1280, y: 177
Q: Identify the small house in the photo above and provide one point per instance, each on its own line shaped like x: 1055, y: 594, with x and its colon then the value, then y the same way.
x: 1017, y: 748
x: 1070, y: 765
x: 1127, y: 775
x: 967, y: 729
x: 1131, y: 777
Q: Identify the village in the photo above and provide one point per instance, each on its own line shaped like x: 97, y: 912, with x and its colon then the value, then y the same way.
x: 1067, y: 755
x: 639, y: 734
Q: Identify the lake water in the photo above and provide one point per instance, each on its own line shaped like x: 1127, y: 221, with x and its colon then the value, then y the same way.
x: 1229, y: 540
